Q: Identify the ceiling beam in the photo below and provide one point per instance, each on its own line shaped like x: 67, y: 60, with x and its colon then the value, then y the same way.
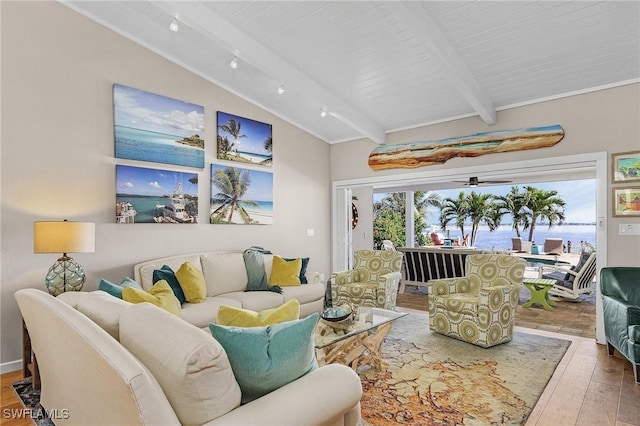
x: 210, y: 24
x: 427, y: 32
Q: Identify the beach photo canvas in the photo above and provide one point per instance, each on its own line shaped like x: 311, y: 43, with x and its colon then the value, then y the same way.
x: 155, y: 196
x: 244, y: 140
x: 241, y: 196
x: 155, y: 128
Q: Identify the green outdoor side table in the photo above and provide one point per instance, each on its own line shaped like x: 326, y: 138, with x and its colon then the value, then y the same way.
x: 539, y: 289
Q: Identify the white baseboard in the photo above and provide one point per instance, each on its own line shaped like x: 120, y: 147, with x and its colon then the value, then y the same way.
x: 8, y: 367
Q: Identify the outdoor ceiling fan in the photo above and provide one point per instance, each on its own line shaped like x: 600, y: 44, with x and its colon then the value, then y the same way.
x: 473, y: 181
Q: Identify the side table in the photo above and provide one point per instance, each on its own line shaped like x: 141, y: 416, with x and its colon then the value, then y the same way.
x: 29, y: 361
x: 539, y: 289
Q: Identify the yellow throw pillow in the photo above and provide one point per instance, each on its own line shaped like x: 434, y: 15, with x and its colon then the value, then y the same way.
x: 230, y: 316
x: 160, y: 295
x: 192, y: 282
x: 285, y: 273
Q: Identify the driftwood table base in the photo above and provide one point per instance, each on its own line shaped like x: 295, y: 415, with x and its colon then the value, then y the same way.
x: 358, y: 350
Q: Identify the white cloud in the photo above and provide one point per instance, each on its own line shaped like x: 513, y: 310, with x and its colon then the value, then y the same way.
x: 128, y: 185
x: 155, y: 184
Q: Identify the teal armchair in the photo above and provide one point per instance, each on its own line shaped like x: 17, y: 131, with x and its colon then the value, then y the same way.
x: 620, y: 289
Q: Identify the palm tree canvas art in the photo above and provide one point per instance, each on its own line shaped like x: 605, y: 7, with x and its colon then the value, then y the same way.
x: 241, y: 196
x: 244, y: 140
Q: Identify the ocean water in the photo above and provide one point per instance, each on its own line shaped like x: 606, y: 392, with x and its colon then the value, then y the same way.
x: 146, y: 206
x: 136, y: 144
x: 501, y: 238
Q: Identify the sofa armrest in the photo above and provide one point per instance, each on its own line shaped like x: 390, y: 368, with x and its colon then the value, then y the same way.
x: 313, y: 277
x: 446, y: 286
x: 344, y: 277
x: 322, y: 396
x: 485, y: 294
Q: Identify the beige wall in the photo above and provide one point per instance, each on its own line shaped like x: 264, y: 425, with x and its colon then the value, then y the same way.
x: 602, y: 121
x: 58, y: 69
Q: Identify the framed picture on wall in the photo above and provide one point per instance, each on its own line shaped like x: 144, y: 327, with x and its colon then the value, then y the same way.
x: 243, y: 140
x: 241, y: 196
x: 155, y: 196
x: 626, y: 166
x: 626, y: 201
x: 155, y: 128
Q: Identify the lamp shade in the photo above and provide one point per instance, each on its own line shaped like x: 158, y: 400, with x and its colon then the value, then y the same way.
x: 64, y: 237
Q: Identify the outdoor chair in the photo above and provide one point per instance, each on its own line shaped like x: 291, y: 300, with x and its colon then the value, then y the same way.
x: 437, y: 238
x: 388, y: 245
x: 480, y: 307
x: 553, y: 246
x: 373, y: 281
x: 620, y: 288
x: 574, y: 281
x: 520, y: 246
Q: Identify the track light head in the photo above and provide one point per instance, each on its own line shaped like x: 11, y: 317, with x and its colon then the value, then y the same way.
x: 323, y: 112
x: 234, y: 63
x: 281, y: 89
x: 173, y: 26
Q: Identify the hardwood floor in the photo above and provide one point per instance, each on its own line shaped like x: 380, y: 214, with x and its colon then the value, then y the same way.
x: 587, y: 388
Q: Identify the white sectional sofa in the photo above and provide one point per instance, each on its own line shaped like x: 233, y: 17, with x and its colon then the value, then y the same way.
x: 226, y: 279
x: 109, y: 362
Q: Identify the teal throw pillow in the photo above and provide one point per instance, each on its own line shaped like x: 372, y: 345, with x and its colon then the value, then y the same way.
x: 167, y: 274
x: 303, y: 270
x: 116, y: 289
x: 264, y: 359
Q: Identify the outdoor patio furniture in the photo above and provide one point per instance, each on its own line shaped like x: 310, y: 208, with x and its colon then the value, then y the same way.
x: 539, y: 290
x: 574, y: 281
x: 620, y: 287
x: 438, y: 239
x: 388, y: 245
x: 517, y: 244
x: 480, y: 307
x: 553, y: 246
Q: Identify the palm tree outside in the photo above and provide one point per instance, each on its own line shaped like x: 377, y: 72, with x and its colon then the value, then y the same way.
x: 543, y: 205
x: 513, y: 203
x: 475, y: 208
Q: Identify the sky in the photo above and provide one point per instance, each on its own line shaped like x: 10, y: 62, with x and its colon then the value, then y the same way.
x: 579, y: 195
x: 147, y: 111
x: 255, y: 131
x: 152, y: 182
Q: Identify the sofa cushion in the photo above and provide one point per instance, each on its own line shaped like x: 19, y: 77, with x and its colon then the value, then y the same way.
x: 103, y: 309
x: 238, y: 317
x: 285, y: 273
x: 201, y: 314
x: 116, y: 289
x: 167, y: 274
x: 257, y: 300
x: 191, y: 367
x: 304, y: 293
x: 224, y: 273
x: 159, y: 295
x: 144, y: 271
x: 267, y: 358
x: 191, y: 280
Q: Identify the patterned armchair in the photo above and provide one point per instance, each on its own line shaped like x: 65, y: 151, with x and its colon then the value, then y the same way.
x: 373, y: 281
x: 478, y: 308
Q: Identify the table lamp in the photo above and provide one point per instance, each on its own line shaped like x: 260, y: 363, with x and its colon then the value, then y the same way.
x: 64, y: 237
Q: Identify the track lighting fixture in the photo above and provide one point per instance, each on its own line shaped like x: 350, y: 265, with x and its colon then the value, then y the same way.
x: 281, y: 89
x: 173, y: 26
x: 234, y: 62
x: 323, y: 112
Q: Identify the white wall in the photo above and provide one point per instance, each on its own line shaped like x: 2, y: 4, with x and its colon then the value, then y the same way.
x: 602, y: 121
x: 57, y: 157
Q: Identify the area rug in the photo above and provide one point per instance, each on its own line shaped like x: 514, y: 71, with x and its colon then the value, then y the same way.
x: 436, y: 380
x: 30, y: 399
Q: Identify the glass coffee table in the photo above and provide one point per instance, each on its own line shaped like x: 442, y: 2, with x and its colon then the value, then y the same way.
x: 357, y: 344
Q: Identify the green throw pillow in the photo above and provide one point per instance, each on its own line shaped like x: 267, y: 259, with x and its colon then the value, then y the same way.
x: 115, y: 289
x: 167, y: 274
x: 264, y: 359
x: 303, y: 270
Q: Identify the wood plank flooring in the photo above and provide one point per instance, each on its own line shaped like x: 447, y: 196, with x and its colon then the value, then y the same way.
x: 587, y: 388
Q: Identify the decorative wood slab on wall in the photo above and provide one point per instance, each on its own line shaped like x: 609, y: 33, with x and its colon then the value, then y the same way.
x: 419, y: 154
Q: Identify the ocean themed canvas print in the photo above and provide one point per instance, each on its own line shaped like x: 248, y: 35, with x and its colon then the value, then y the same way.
x: 241, y: 196
x: 244, y: 140
x: 155, y: 196
x: 155, y: 128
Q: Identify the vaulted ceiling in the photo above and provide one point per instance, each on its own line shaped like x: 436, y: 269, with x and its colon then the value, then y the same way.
x: 378, y: 67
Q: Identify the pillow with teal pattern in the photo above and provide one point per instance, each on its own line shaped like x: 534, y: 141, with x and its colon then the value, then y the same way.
x: 303, y: 270
x: 264, y: 359
x: 116, y: 289
x: 167, y: 274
